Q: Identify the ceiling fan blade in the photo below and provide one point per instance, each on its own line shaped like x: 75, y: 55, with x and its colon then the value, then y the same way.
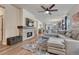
x: 43, y: 7
x: 54, y: 10
x: 52, y: 6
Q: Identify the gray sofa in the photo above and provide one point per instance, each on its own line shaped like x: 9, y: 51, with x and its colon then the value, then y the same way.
x: 67, y: 44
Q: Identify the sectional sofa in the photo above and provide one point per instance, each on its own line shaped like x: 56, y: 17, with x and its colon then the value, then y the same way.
x: 66, y: 44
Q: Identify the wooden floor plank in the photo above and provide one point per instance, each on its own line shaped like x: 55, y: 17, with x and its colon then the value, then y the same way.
x: 16, y: 49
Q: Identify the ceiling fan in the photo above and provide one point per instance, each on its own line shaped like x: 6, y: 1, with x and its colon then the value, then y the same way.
x: 49, y: 9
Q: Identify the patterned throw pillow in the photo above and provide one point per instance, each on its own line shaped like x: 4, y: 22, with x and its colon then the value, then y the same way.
x: 68, y: 34
x: 74, y: 35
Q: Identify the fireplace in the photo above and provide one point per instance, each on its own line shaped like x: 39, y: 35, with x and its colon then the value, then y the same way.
x: 29, y: 34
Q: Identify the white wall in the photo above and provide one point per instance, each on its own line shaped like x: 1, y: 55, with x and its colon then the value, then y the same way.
x: 11, y: 21
x: 1, y: 11
x: 26, y: 14
x: 73, y: 11
x: 14, y: 17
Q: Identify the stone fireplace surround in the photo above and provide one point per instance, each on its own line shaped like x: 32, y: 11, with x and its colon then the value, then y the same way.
x: 26, y: 32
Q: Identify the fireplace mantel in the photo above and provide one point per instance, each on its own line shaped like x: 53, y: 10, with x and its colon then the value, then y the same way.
x: 24, y: 27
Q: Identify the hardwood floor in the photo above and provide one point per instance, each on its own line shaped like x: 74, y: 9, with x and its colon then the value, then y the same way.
x: 16, y: 49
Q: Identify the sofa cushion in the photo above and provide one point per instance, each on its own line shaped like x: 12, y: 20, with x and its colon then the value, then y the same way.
x: 72, y: 47
x: 74, y: 34
x: 56, y: 42
x: 56, y: 52
x: 59, y: 49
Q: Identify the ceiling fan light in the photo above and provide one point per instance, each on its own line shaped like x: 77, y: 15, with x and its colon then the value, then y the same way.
x: 46, y: 12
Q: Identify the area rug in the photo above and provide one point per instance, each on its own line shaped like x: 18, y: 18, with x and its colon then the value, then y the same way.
x: 33, y: 49
x: 29, y: 47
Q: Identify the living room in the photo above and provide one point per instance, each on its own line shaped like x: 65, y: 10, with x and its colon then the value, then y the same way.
x: 46, y: 29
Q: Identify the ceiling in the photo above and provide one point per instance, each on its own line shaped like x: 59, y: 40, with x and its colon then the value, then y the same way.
x: 63, y: 9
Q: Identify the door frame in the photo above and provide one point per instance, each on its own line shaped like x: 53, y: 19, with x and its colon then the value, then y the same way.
x: 2, y: 33
x: 2, y: 25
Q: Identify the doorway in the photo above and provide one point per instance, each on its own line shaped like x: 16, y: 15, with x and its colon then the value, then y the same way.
x: 1, y: 29
x: 1, y: 24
